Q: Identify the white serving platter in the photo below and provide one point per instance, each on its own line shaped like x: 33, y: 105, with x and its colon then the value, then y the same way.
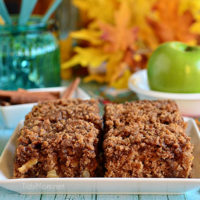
x: 99, y: 185
x: 13, y: 114
x: 189, y: 104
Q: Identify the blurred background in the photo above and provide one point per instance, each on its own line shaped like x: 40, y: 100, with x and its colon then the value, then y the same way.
x: 105, y: 41
x: 66, y: 15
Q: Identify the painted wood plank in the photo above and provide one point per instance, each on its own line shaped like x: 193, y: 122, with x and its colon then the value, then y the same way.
x: 176, y: 197
x: 152, y: 197
x: 48, y: 196
x: 5, y: 191
x: 115, y: 197
x: 10, y: 196
x: 30, y: 197
x: 60, y: 196
x: 80, y: 197
x: 193, y: 194
x: 7, y: 194
x: 19, y: 197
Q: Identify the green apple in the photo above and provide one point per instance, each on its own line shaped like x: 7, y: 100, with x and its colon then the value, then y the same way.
x: 175, y: 67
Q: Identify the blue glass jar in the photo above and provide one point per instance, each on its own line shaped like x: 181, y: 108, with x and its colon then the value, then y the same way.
x: 29, y: 56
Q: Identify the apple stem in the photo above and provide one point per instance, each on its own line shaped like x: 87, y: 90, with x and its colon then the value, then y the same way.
x: 189, y: 48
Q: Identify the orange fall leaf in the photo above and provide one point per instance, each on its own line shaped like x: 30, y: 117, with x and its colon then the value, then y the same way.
x: 119, y: 36
x: 171, y: 24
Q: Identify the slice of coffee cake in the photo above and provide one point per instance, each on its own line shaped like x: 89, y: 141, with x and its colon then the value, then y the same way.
x: 146, y: 139
x: 59, y: 139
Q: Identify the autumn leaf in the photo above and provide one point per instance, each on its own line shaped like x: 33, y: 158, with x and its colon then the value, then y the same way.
x: 98, y: 9
x: 140, y: 9
x: 118, y: 72
x: 190, y: 5
x: 95, y: 77
x: 114, y: 67
x: 109, y: 43
x: 194, y: 7
x: 86, y: 57
x: 92, y: 36
x: 171, y: 24
x: 115, y: 70
x: 136, y: 61
x: 120, y: 36
x: 195, y: 28
x: 122, y: 82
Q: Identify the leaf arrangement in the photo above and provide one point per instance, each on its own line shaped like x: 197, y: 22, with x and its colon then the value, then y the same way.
x: 119, y: 35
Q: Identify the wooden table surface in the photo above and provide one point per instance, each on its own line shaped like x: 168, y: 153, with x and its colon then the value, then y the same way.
x: 9, y: 195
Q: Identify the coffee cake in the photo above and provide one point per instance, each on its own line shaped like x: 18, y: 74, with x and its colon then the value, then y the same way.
x: 59, y: 139
x: 146, y: 139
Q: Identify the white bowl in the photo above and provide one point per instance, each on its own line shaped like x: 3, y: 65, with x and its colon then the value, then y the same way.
x: 12, y: 115
x: 189, y: 104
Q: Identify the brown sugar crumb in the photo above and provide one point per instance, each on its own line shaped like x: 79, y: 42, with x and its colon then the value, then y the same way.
x: 59, y: 139
x: 53, y: 111
x: 146, y: 139
x: 77, y: 150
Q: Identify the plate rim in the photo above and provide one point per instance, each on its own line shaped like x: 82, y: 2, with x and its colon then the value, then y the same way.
x: 164, y: 95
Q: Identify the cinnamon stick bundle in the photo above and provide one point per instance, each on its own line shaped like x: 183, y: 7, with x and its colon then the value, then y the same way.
x: 22, y: 96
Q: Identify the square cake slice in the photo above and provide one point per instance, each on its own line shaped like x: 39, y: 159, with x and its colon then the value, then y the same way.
x: 59, y: 139
x: 146, y: 139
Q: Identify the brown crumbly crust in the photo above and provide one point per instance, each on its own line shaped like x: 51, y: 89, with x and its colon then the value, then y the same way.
x: 119, y: 115
x: 59, y: 139
x: 86, y: 110
x: 146, y: 139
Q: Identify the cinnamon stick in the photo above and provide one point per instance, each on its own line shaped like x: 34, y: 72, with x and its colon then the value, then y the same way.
x: 21, y: 90
x: 6, y: 94
x: 70, y: 90
x: 23, y: 96
x: 20, y: 98
x: 53, y: 93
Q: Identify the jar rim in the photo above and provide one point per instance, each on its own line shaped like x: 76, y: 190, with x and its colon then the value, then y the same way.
x: 33, y: 24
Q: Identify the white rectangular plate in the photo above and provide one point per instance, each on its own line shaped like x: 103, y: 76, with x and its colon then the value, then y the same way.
x: 13, y: 114
x: 99, y: 185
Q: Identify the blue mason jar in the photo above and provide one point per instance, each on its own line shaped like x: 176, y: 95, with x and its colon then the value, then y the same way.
x: 29, y: 56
